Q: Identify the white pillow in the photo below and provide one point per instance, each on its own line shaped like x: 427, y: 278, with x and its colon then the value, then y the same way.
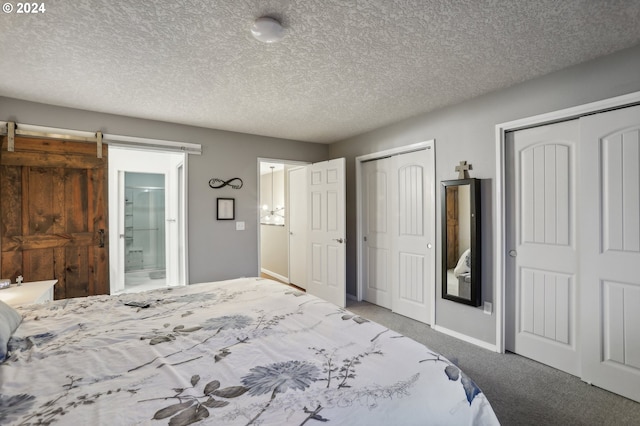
x: 10, y: 319
x: 464, y: 263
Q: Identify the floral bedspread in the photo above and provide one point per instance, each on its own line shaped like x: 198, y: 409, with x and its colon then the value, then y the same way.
x: 245, y: 351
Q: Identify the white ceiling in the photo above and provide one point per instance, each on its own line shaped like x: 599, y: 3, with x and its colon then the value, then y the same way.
x: 343, y: 68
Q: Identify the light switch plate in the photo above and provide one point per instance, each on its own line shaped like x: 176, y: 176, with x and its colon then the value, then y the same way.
x: 239, y: 226
x: 488, y: 308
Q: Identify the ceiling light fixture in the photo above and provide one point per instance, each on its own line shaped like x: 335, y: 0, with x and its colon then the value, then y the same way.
x: 267, y: 30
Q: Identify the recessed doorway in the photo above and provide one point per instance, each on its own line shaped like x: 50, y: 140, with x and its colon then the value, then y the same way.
x: 147, y: 209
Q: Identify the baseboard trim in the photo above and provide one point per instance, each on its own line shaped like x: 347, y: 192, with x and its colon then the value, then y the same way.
x: 275, y: 275
x: 489, y: 346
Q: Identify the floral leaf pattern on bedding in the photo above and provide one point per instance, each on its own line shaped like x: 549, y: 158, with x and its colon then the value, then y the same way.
x: 228, y: 322
x: 160, y: 336
x: 471, y: 390
x: 356, y: 318
x: 22, y: 344
x: 345, y: 371
x: 12, y: 406
x: 194, y: 407
x: 50, y: 411
x: 278, y: 378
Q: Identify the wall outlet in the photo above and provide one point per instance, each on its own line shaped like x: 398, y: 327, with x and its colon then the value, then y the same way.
x: 239, y: 226
x: 488, y: 308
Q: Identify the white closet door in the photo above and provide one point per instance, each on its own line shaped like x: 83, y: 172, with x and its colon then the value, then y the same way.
x: 398, y: 261
x: 327, y: 231
x: 542, y: 246
x: 610, y: 237
x: 413, y: 261
x: 377, y: 223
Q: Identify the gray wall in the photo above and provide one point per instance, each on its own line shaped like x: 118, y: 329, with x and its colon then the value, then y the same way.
x: 216, y: 250
x: 467, y: 132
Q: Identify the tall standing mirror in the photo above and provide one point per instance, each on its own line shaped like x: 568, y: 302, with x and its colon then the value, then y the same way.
x: 461, y: 269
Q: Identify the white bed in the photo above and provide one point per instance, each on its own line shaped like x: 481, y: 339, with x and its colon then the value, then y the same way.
x: 245, y: 351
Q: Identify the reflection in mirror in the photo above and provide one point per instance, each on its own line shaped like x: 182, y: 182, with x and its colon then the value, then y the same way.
x: 460, y: 234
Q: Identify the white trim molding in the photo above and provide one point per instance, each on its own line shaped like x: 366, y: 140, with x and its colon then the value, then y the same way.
x: 500, y: 248
x: 275, y: 275
x: 465, y: 338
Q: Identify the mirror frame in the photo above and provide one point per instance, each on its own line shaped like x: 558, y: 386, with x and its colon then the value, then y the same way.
x: 476, y: 276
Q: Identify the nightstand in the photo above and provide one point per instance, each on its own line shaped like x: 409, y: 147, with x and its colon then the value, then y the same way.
x: 28, y: 293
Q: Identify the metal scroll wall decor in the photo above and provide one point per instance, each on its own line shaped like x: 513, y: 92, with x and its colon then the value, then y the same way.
x: 235, y: 183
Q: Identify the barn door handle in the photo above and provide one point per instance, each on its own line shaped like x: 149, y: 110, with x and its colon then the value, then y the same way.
x: 101, y: 234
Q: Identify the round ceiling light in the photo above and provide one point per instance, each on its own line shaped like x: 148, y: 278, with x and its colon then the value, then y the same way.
x: 267, y: 30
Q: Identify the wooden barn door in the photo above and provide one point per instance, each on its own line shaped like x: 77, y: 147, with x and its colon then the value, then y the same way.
x: 53, y: 215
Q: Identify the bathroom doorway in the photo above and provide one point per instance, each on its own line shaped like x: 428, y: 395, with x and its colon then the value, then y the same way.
x: 144, y: 231
x: 147, y: 210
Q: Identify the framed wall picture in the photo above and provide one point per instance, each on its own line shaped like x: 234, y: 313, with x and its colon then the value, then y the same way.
x: 225, y: 209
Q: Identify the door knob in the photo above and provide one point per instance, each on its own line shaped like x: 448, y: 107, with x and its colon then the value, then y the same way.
x: 339, y: 240
x: 513, y: 253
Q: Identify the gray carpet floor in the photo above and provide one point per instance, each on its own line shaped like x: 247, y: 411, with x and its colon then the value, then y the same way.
x: 521, y: 391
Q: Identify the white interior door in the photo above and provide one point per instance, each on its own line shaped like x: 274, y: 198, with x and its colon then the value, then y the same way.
x: 610, y: 209
x: 298, y: 227
x: 413, y: 263
x: 174, y: 234
x: 377, y: 223
x: 327, y: 231
x: 542, y: 243
x: 117, y: 262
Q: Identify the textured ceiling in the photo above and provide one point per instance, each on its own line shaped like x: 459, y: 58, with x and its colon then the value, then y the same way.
x: 343, y: 68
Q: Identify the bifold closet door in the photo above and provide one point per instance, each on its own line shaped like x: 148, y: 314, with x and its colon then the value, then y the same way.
x: 377, y: 222
x: 610, y: 250
x: 414, y: 257
x: 573, y: 290
x: 542, y: 244
x: 398, y: 256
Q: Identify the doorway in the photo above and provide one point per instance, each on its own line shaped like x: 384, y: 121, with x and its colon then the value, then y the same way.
x: 282, y: 220
x: 144, y: 231
x: 314, y: 225
x: 147, y: 204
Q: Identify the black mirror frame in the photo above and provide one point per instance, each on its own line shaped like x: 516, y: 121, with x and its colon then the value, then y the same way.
x: 476, y: 240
